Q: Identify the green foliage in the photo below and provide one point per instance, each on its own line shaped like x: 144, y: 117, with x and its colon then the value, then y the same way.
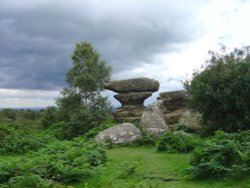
x: 177, y: 142
x: 21, y: 142
x: 49, y: 116
x: 9, y: 114
x: 126, y: 170
x: 30, y: 180
x: 17, y: 115
x: 68, y: 161
x: 81, y: 106
x: 57, y: 130
x: 224, y: 155
x: 221, y: 91
x: 60, y: 161
x: 30, y: 114
x: 146, y: 140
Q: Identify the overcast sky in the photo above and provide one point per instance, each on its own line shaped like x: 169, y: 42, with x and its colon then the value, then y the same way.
x: 161, y: 39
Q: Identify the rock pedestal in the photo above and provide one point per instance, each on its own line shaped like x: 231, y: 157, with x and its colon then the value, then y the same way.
x: 132, y: 98
x: 132, y: 94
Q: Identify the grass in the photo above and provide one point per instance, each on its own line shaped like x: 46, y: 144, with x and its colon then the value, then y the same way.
x: 140, y: 167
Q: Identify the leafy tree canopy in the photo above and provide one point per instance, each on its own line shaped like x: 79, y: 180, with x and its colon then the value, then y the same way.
x: 81, y: 104
x: 220, y: 92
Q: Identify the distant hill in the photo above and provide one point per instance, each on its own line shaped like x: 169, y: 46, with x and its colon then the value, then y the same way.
x: 26, y: 108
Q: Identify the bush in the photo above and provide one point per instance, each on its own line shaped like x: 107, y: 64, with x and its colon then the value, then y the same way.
x: 22, y: 142
x: 146, y: 140
x: 30, y: 180
x: 224, y: 155
x: 179, y: 141
x: 68, y: 161
x: 8, y: 169
x: 49, y: 116
x: 60, y: 161
x: 221, y: 91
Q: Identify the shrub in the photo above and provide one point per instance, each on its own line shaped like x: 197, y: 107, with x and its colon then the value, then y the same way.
x: 60, y: 161
x: 179, y: 141
x: 30, y: 180
x: 68, y: 161
x: 224, y: 155
x: 8, y: 169
x: 220, y: 92
x: 21, y: 142
x: 49, y: 116
x: 9, y: 114
x: 146, y: 140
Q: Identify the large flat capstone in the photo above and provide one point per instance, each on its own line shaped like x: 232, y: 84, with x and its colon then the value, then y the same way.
x: 133, y: 85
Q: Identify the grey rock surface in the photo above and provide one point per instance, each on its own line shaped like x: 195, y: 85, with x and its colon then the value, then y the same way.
x: 190, y: 120
x: 132, y: 98
x: 173, y: 117
x: 173, y: 100
x: 153, y: 120
x: 133, y: 85
x: 129, y: 113
x: 119, y: 134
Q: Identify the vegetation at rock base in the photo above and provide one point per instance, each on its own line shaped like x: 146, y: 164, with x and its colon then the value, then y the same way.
x: 178, y: 142
x: 220, y: 92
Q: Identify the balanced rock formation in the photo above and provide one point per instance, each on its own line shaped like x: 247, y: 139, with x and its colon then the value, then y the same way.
x: 119, y: 134
x: 152, y: 119
x: 132, y: 94
x: 174, y: 105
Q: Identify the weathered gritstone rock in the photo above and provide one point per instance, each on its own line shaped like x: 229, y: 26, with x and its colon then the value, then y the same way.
x: 152, y: 119
x: 132, y: 94
x: 191, y: 121
x: 120, y: 134
x: 129, y: 113
x: 173, y: 117
x: 133, y: 85
x: 132, y: 98
x: 174, y: 100
x: 174, y: 105
x: 180, y: 95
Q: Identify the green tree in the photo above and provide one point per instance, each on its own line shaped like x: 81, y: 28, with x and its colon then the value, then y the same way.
x: 81, y: 106
x: 220, y: 92
x: 10, y: 114
x: 49, y: 116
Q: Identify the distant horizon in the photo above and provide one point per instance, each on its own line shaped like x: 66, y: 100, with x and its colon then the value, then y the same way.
x: 39, y: 108
x: 23, y: 108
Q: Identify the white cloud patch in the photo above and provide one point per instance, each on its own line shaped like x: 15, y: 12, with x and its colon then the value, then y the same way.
x: 12, y: 98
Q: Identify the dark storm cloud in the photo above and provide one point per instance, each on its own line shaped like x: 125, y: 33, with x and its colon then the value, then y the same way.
x: 37, y: 38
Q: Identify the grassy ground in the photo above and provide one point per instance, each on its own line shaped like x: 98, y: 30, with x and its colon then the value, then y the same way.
x: 138, y: 167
